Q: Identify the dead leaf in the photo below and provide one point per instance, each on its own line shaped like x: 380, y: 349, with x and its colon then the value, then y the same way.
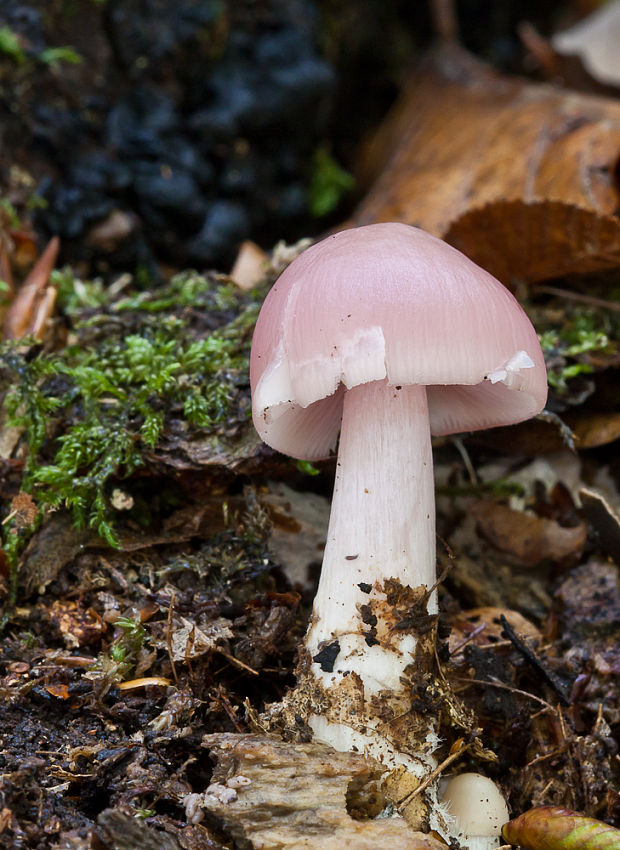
x: 78, y: 626
x: 250, y: 265
x: 23, y: 510
x: 529, y: 539
x: 519, y: 176
x: 107, y: 235
x: 35, y: 299
x: 190, y: 640
x: 242, y: 453
x: 555, y: 828
x: 567, y: 70
x: 596, y: 429
x: 55, y: 545
x: 299, y: 530
x: 482, y: 626
x: 58, y: 691
x: 144, y: 682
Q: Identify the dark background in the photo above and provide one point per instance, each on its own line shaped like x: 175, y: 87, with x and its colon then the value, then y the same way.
x: 205, y: 122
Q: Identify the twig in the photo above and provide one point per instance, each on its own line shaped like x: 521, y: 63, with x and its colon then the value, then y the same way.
x: 444, y: 20
x: 236, y: 661
x: 220, y: 696
x: 471, y: 637
x: 558, y: 751
x: 614, y: 306
x: 502, y: 686
x: 169, y: 639
x: 402, y: 804
x: 439, y: 580
x: 457, y: 442
x: 530, y: 656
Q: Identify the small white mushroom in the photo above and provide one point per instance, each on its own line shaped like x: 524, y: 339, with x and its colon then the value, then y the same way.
x: 479, y: 809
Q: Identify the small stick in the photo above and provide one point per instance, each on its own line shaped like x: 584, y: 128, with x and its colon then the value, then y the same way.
x: 471, y: 637
x: 530, y: 656
x: 431, y: 777
x: 494, y: 684
x: 458, y: 443
x: 614, y: 306
x: 558, y: 751
x: 236, y: 661
x: 169, y: 639
x: 444, y: 20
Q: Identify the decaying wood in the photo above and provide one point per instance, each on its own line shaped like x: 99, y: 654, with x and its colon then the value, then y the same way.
x: 521, y: 177
x: 273, y: 795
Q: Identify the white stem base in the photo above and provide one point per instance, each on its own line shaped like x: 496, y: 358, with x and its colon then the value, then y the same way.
x: 371, y: 625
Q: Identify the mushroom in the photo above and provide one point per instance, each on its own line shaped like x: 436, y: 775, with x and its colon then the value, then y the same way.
x: 478, y: 808
x: 387, y: 335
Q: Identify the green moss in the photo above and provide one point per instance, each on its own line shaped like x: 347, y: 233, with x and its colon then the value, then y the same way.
x: 90, y: 411
x: 584, y: 331
x: 307, y: 468
x: 328, y: 185
x: 11, y: 46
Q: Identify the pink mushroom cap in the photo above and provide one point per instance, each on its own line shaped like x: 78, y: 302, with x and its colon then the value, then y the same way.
x: 389, y: 301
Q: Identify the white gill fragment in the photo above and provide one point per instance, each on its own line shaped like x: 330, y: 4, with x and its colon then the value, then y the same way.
x: 508, y: 372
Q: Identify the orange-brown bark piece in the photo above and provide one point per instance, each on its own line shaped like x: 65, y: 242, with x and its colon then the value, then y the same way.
x: 522, y: 177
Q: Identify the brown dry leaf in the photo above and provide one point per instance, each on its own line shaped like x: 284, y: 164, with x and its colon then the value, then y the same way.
x: 190, y: 640
x: 592, y: 430
x: 35, y: 299
x: 519, y: 176
x: 59, y: 691
x: 78, y: 626
x: 299, y: 530
x: 107, y: 235
x: 144, y: 682
x: 483, y: 626
x: 250, y: 265
x: 529, y: 539
x: 23, y: 510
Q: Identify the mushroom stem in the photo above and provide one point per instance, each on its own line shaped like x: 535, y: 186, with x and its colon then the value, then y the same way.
x: 369, y: 647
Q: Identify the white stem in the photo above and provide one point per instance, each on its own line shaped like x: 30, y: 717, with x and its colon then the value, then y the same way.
x: 382, y: 527
x: 382, y: 522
